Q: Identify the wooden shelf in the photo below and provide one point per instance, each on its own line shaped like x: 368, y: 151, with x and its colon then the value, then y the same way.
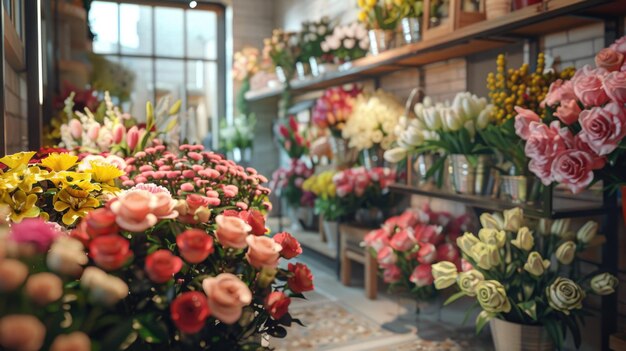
x: 564, y: 206
x: 528, y: 22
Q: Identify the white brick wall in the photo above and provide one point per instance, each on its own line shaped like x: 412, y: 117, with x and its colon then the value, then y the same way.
x: 575, y: 47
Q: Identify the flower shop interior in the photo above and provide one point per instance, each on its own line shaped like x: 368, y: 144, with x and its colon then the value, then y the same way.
x: 313, y: 175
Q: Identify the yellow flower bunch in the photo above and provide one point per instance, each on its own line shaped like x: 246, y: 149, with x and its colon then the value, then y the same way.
x: 521, y: 87
x: 53, y: 188
x: 321, y: 185
x: 379, y: 14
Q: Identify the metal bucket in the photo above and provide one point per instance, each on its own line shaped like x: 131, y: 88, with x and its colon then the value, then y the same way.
x: 411, y: 30
x: 380, y: 40
x: 471, y: 178
x: 518, y: 189
x: 343, y: 155
x: 509, y: 336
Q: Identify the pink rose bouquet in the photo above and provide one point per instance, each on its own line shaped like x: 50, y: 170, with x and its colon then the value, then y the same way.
x: 585, y: 132
x: 406, y: 247
x: 366, y: 188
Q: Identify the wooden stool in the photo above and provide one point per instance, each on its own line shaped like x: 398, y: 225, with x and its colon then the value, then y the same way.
x: 351, y: 250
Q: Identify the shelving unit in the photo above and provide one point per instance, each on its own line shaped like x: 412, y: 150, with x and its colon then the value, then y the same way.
x: 529, y: 24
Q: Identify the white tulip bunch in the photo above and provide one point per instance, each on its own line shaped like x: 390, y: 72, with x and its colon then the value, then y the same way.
x: 373, y: 121
x: 466, y: 111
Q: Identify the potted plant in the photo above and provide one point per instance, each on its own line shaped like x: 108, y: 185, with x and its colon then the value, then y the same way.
x: 525, y: 279
x: 378, y: 16
x: 406, y: 246
x: 524, y: 89
x: 584, y: 126
x: 371, y: 131
x: 346, y: 43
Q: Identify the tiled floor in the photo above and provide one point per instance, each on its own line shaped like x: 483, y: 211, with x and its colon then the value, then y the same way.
x: 341, y: 318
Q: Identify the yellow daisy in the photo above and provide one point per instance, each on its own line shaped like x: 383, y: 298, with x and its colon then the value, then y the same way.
x: 59, y: 162
x: 18, y: 159
x: 105, y: 173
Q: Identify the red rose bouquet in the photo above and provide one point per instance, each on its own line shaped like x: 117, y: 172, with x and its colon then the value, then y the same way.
x: 584, y: 132
x: 406, y: 247
x: 291, y: 139
x: 180, y: 260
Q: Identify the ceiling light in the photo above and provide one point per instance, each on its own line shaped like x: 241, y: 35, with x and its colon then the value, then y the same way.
x: 193, y: 4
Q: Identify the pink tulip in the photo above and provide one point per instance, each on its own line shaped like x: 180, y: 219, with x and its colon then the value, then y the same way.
x: 132, y: 137
x: 119, y: 131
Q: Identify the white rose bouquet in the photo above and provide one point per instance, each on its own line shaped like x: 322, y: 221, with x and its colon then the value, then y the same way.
x: 524, y: 276
x: 346, y: 43
x: 373, y: 121
x: 312, y: 34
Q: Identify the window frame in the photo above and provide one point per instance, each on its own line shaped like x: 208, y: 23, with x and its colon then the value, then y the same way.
x: 219, y: 60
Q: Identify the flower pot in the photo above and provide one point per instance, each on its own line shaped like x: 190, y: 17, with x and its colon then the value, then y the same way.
x: 369, y: 217
x: 343, y: 155
x: 520, y: 4
x: 380, y: 40
x: 411, y: 30
x: 331, y: 229
x: 373, y: 158
x: 318, y: 67
x: 497, y: 8
x: 302, y: 70
x: 471, y: 178
x: 307, y: 217
x: 518, y: 189
x: 294, y: 219
x: 509, y: 336
x: 281, y: 74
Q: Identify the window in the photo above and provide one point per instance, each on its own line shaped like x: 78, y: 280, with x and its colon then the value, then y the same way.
x: 172, y: 50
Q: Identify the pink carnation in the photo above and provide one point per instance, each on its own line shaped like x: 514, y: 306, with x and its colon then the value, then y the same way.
x: 34, y: 231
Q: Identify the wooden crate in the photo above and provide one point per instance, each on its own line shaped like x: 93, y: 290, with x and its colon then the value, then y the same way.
x: 456, y: 19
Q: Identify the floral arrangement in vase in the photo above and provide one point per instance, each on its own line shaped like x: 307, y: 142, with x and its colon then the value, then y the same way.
x: 508, y: 89
x: 378, y: 14
x: 406, y: 247
x: 106, y: 130
x: 57, y: 188
x: 375, y: 117
x: 291, y: 139
x: 289, y: 180
x: 366, y: 190
x: 238, y: 137
x: 346, y: 43
x: 526, y: 275
x: 312, y: 34
x: 327, y: 203
x: 282, y: 50
x: 333, y: 109
x: 584, y: 130
x: 450, y: 128
x: 245, y: 65
x: 182, y: 262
